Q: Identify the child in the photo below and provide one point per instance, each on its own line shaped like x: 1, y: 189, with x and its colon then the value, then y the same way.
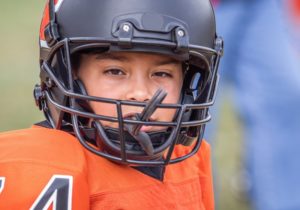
x: 125, y: 88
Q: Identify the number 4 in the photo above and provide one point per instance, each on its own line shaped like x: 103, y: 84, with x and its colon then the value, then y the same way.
x: 2, y: 181
x: 58, y: 192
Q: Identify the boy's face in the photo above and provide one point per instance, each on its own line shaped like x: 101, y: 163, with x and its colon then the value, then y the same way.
x: 131, y: 76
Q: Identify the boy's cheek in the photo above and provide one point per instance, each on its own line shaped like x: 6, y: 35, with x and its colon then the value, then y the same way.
x: 105, y: 109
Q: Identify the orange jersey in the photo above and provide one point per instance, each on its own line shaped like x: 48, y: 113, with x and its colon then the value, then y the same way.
x: 30, y: 158
x: 41, y: 168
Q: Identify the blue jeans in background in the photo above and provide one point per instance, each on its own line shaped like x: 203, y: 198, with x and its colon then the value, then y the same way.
x: 261, y: 64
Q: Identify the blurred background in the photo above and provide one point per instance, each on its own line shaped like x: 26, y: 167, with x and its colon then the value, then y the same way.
x: 19, y: 67
x: 19, y: 72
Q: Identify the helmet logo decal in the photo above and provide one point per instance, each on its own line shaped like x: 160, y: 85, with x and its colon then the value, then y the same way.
x: 58, y: 4
x: 46, y: 17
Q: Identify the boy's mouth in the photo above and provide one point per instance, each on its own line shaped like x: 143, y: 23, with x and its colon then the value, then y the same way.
x: 134, y: 116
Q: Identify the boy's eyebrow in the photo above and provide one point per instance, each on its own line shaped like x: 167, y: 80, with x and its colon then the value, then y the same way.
x: 168, y: 61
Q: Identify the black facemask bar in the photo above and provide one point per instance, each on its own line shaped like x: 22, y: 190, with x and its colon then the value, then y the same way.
x: 177, y: 125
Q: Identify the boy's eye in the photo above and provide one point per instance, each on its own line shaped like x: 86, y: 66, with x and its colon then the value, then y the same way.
x: 116, y: 72
x: 162, y: 74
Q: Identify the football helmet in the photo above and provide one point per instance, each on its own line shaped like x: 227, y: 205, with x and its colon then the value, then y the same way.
x: 184, y: 30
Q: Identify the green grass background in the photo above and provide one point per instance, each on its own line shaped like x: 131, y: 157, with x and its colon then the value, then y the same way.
x: 19, y: 70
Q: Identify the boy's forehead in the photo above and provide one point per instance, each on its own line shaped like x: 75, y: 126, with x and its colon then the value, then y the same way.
x: 158, y: 59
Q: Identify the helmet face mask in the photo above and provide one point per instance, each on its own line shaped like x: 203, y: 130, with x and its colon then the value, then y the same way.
x: 66, y: 104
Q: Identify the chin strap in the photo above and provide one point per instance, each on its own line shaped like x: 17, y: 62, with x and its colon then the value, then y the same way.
x: 135, y: 130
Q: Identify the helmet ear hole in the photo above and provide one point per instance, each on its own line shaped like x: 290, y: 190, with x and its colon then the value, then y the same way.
x: 187, y: 99
x: 194, y: 81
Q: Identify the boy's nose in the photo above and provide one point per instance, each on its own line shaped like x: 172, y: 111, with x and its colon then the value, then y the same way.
x: 139, y: 90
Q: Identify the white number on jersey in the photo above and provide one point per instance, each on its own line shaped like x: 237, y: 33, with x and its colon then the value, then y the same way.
x: 2, y: 182
x: 58, y: 192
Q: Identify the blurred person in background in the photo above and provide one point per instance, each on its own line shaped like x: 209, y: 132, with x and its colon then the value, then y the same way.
x: 262, y: 67
x: 292, y: 9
